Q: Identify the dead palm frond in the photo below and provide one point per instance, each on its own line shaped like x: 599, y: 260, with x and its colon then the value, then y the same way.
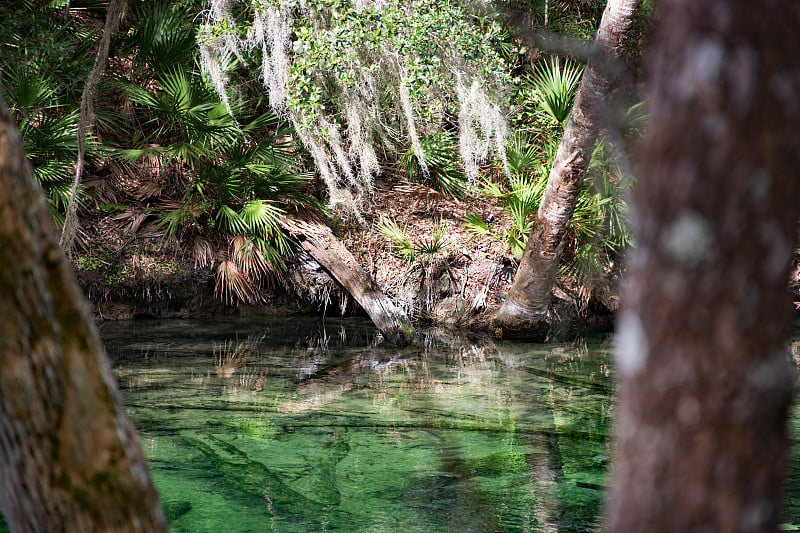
x: 132, y: 220
x: 233, y: 284
x: 249, y: 258
x: 203, y: 254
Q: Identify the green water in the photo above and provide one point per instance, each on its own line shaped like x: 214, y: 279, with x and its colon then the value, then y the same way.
x: 303, y: 425
x: 299, y: 425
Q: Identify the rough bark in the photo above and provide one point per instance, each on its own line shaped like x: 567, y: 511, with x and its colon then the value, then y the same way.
x: 70, y: 461
x: 706, y: 379
x: 524, y: 313
x: 318, y: 240
x: 116, y: 8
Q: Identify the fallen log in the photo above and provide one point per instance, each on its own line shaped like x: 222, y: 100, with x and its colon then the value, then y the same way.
x: 321, y: 244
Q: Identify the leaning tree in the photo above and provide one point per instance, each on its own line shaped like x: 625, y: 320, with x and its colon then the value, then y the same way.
x: 526, y: 313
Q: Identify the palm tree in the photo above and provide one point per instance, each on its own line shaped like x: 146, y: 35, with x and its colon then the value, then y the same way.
x: 61, y: 420
x: 525, y: 311
x: 238, y: 173
x: 706, y: 379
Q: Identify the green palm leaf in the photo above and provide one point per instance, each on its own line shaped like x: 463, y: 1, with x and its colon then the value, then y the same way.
x: 260, y: 214
x: 400, y: 241
x: 443, y: 161
x: 164, y: 36
x: 555, y: 85
x: 230, y: 220
x: 475, y: 225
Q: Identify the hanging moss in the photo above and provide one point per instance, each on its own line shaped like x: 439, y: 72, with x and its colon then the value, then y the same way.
x: 349, y: 74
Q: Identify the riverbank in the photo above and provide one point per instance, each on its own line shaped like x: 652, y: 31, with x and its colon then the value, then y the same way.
x: 456, y: 281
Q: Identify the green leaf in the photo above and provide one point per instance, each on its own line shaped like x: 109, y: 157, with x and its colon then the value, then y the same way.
x: 231, y: 220
x: 475, y: 225
x: 555, y: 85
x: 260, y: 214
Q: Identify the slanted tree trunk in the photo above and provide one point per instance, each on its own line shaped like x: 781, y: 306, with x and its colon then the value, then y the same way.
x: 320, y: 243
x: 116, y: 9
x: 524, y: 313
x: 69, y: 458
x: 706, y: 379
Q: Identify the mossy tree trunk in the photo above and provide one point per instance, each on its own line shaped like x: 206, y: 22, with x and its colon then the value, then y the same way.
x: 706, y: 378
x: 525, y: 311
x: 69, y: 458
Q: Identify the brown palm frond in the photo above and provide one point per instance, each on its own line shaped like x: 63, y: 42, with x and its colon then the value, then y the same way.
x: 421, y: 194
x: 132, y: 220
x: 233, y: 283
x: 203, y: 254
x: 82, y: 240
x: 247, y: 255
x: 100, y: 191
x: 148, y: 189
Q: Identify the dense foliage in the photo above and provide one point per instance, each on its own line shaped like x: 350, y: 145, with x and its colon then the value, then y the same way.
x: 213, y: 119
x: 350, y: 73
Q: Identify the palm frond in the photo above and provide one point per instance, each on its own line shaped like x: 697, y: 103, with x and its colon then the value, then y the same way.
x: 233, y: 283
x: 230, y: 220
x: 400, y: 241
x: 60, y: 193
x: 164, y: 36
x: 260, y: 214
x: 265, y: 122
x: 27, y: 89
x: 203, y: 254
x: 175, y: 219
x: 522, y: 156
x: 554, y: 86
x: 515, y: 243
x: 427, y: 249
x: 475, y: 225
x: 247, y: 255
x: 444, y: 166
x: 274, y: 250
x: 586, y: 267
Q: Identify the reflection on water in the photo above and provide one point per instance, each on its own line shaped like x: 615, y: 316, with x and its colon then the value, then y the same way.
x: 309, y: 426
x: 301, y: 425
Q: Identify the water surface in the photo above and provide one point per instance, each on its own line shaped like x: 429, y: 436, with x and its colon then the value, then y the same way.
x: 309, y: 425
x: 304, y: 425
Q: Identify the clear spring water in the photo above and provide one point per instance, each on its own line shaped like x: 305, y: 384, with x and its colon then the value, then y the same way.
x: 303, y: 425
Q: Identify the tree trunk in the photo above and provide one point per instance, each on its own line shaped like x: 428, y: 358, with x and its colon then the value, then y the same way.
x: 70, y: 461
x: 706, y: 378
x: 524, y: 313
x: 325, y: 248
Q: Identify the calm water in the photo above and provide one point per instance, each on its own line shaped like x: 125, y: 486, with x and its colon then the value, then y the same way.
x: 303, y: 425
x: 300, y: 425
